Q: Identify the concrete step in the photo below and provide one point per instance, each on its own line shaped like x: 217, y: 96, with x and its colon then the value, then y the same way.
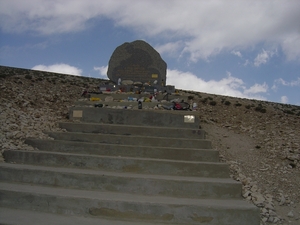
x: 159, y: 118
x: 130, y: 207
x: 124, y: 96
x: 14, y: 216
x: 134, y: 130
x: 205, y: 155
x: 119, y: 164
x: 143, y: 184
x: 132, y: 140
x: 124, y: 104
x: 120, y: 96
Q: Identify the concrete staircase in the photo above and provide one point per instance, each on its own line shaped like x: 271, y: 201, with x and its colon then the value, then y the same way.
x: 118, y: 166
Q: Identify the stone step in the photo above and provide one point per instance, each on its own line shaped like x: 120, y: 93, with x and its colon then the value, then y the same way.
x: 119, y: 164
x: 205, y: 155
x: 133, y: 130
x: 127, y: 104
x: 143, y: 184
x: 8, y: 217
x: 120, y: 96
x: 124, y: 96
x: 159, y: 118
x: 132, y: 140
x: 137, y: 208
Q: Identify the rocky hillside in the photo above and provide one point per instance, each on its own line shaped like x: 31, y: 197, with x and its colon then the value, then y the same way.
x: 33, y: 101
x: 260, y: 140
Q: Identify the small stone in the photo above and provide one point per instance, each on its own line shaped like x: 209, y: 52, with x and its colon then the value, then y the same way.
x: 258, y: 199
x: 264, y: 211
x: 272, y: 213
x: 290, y: 214
x: 270, y: 219
x: 282, y: 200
x: 254, y: 188
x: 246, y: 194
x: 109, y: 99
x: 269, y: 206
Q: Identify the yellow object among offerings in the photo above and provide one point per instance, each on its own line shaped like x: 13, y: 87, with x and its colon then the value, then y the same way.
x: 95, y: 99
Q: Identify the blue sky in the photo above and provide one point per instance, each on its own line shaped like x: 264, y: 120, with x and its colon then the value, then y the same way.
x: 248, y: 49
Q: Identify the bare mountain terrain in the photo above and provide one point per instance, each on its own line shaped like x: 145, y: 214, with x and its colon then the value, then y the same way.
x: 259, y: 140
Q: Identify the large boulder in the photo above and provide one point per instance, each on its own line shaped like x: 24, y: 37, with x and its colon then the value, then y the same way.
x: 137, y: 61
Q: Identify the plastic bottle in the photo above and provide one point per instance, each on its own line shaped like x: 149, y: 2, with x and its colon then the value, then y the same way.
x: 140, y: 106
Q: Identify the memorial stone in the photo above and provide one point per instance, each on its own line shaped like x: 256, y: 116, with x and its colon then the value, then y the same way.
x: 139, y: 62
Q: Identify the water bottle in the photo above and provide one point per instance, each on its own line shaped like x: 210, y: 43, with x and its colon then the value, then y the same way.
x: 140, y: 106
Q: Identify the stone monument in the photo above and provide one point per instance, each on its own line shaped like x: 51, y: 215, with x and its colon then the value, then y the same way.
x: 137, y: 61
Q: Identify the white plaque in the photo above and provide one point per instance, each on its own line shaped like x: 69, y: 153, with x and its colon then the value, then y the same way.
x: 77, y: 113
x: 189, y: 118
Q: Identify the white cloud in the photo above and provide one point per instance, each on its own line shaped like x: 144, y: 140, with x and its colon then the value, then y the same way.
x: 263, y: 57
x: 172, y: 48
x: 296, y: 82
x: 293, y: 83
x: 247, y: 62
x: 237, y: 53
x: 206, y: 27
x: 46, y: 17
x: 281, y: 81
x: 274, y: 87
x: 59, y: 68
x: 257, y: 88
x: 284, y: 99
x: 102, y: 71
x: 229, y: 86
x: 291, y: 47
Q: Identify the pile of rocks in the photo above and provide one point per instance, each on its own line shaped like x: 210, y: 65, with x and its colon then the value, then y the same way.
x: 260, y: 140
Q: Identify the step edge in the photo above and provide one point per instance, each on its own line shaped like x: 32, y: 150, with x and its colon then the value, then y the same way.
x: 126, y: 197
x: 95, y: 143
x: 121, y: 157
x: 117, y: 174
x: 129, y: 136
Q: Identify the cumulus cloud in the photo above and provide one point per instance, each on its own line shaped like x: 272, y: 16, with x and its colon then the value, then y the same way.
x: 229, y: 86
x: 170, y: 48
x: 281, y: 81
x: 247, y: 62
x: 284, y: 99
x: 263, y: 57
x: 291, y: 47
x: 206, y: 27
x: 237, y: 53
x: 293, y: 83
x: 257, y: 88
x: 102, y: 71
x: 46, y: 17
x: 59, y: 68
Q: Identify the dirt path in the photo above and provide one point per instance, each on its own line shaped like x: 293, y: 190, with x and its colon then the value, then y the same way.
x: 247, y: 165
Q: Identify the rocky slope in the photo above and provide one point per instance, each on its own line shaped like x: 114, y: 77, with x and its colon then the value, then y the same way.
x: 259, y: 140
